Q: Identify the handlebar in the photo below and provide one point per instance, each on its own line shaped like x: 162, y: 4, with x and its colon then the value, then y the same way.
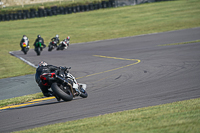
x: 64, y: 68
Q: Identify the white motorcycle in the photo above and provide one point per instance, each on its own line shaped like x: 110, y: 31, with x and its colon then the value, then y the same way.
x: 63, y: 45
x: 25, y: 46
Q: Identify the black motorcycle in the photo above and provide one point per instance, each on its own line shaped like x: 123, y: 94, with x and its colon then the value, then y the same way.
x: 38, y: 48
x: 64, y: 84
x: 25, y: 47
x: 52, y: 45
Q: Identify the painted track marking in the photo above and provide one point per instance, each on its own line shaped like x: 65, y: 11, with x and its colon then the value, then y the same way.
x: 116, y: 58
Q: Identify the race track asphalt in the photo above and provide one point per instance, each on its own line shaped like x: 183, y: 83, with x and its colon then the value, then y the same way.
x: 121, y: 74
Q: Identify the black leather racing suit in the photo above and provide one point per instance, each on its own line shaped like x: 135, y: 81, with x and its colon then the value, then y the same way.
x: 39, y: 71
x: 41, y: 40
x: 55, y: 39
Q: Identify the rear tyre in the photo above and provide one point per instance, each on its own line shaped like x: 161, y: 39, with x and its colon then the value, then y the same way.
x: 58, y: 48
x: 60, y: 91
x: 38, y: 51
x: 50, y: 48
x: 24, y: 50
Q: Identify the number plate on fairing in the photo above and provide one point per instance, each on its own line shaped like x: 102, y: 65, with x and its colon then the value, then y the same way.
x: 24, y: 45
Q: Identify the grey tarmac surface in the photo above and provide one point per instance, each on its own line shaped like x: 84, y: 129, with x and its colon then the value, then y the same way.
x: 18, y: 86
x: 159, y: 75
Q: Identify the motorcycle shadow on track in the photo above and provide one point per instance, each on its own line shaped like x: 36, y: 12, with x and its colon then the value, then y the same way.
x: 41, y: 104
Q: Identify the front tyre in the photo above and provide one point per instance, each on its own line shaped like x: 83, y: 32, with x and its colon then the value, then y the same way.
x: 62, y: 92
x: 83, y: 93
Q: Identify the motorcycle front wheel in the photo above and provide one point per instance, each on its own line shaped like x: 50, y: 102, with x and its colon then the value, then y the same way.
x: 62, y: 92
x: 83, y: 93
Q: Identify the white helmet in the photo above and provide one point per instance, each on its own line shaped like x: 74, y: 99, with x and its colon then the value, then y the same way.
x: 25, y: 38
x: 68, y: 37
x: 42, y: 63
x: 57, y: 36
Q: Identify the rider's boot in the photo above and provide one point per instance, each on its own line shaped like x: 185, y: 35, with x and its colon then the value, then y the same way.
x: 58, y: 98
x: 78, y: 92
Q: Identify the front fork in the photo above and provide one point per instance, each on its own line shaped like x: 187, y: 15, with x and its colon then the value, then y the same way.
x: 75, y: 83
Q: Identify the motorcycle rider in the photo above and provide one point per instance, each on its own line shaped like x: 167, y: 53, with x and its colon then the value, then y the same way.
x: 56, y: 38
x: 24, y: 38
x: 65, y: 43
x: 41, y: 40
x: 43, y: 67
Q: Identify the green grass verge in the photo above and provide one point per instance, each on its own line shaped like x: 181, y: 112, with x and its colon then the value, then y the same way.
x: 95, y: 25
x: 177, y: 117
x: 19, y: 100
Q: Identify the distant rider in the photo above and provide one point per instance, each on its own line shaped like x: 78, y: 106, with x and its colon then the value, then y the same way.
x: 65, y: 43
x: 24, y: 39
x: 56, y: 39
x: 39, y: 39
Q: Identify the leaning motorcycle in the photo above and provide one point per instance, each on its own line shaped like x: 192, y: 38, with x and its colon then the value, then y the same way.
x: 63, y: 45
x: 52, y: 45
x: 64, y: 84
x: 25, y: 47
x: 38, y: 48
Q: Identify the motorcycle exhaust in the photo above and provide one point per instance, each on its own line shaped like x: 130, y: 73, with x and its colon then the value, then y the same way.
x: 66, y: 82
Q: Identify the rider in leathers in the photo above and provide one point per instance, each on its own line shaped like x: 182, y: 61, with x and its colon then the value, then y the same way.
x: 43, y: 67
x: 65, y: 43
x: 41, y: 40
x: 24, y: 38
x: 56, y: 38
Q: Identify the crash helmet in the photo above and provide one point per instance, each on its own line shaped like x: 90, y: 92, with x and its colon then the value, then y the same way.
x: 68, y: 37
x: 57, y: 36
x: 38, y: 36
x: 42, y: 63
x: 24, y: 37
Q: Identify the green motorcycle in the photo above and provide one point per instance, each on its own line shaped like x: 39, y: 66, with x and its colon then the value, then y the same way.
x: 38, y: 48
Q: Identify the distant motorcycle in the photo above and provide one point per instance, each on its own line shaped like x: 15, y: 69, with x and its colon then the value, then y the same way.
x: 38, y: 48
x: 63, y: 84
x: 52, y: 45
x: 63, y: 45
x: 25, y: 46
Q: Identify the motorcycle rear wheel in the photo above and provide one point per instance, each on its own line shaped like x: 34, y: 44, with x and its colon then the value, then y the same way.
x: 50, y: 48
x: 24, y: 51
x: 59, y: 90
x: 37, y: 50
